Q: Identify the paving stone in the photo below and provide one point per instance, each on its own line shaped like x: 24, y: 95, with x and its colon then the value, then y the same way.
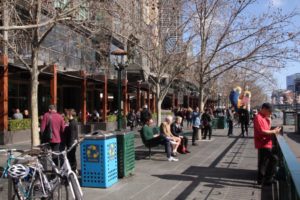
x: 223, y: 168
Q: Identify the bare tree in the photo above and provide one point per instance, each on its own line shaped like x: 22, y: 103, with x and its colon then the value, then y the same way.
x: 166, y: 47
x: 30, y: 22
x: 229, y: 37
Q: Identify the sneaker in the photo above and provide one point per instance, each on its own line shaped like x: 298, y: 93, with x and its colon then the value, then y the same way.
x: 187, y: 151
x: 172, y: 159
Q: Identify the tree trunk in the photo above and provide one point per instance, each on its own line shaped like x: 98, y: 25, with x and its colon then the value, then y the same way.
x: 35, y: 139
x: 158, y: 104
x: 201, y: 99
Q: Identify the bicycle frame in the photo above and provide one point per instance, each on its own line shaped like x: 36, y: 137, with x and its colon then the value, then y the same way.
x: 10, y: 158
x: 65, y: 171
x: 37, y: 172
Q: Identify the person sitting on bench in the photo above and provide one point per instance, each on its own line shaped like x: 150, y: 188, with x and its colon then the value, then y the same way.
x: 165, y: 130
x: 176, y: 130
x: 151, y: 139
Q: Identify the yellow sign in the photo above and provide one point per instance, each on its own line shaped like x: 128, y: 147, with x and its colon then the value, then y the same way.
x: 92, y: 153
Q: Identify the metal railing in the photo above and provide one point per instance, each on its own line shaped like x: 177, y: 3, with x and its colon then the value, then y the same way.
x: 287, y: 106
x: 289, y: 171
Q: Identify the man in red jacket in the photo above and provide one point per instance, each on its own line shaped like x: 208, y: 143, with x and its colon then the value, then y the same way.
x: 57, y: 127
x: 263, y: 134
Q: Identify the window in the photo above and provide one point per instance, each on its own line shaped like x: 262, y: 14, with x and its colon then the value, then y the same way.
x: 60, y: 4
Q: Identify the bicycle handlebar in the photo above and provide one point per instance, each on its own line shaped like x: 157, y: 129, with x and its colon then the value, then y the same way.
x: 11, y: 150
x: 76, y: 142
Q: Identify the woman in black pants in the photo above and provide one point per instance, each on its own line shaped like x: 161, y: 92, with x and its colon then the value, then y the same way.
x: 206, y: 122
x: 71, y: 134
x: 196, y: 125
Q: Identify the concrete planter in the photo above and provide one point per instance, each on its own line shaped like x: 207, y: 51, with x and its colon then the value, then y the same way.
x: 13, y: 137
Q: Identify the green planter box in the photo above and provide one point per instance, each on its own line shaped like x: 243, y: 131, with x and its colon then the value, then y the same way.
x: 222, y: 124
x: 126, y: 153
x: 214, y: 123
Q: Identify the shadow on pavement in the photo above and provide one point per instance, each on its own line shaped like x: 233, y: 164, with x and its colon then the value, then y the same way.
x: 215, y: 177
x: 294, y: 136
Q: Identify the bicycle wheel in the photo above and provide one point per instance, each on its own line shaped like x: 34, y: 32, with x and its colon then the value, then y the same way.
x: 76, y: 187
x: 36, y: 190
x: 17, y: 189
x: 60, y: 191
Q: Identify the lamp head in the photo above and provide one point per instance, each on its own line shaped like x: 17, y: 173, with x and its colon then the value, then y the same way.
x: 121, y: 56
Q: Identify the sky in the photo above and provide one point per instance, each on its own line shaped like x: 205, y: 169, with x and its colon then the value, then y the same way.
x: 292, y: 67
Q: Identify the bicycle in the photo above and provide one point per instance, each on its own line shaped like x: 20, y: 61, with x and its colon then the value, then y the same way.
x: 30, y: 182
x: 5, y: 183
x: 38, y: 185
x: 66, y: 173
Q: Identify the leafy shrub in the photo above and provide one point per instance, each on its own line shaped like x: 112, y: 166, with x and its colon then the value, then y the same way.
x: 19, y: 124
x: 154, y: 115
x: 111, y: 118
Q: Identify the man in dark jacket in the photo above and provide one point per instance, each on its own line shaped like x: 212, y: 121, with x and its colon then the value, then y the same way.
x: 244, y: 120
x: 131, y: 119
x: 206, y: 120
x: 176, y: 129
x: 230, y: 117
x: 145, y: 114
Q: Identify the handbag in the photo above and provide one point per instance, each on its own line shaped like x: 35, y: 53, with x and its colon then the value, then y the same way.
x: 47, y: 133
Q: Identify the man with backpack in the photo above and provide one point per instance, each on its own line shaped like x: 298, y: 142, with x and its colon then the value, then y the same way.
x: 52, y: 127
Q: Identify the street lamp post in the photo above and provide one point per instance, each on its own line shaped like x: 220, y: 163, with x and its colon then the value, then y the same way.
x: 120, y: 65
x: 219, y: 100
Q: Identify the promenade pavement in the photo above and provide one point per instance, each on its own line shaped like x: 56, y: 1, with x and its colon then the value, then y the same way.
x: 223, y: 168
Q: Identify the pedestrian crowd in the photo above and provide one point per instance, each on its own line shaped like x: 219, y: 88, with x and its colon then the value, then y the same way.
x: 62, y: 130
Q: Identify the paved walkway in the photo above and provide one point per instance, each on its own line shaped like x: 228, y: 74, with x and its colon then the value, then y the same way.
x: 223, y: 168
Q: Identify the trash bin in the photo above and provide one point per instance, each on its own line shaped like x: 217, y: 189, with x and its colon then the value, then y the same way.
x: 221, y: 124
x: 99, y: 166
x: 126, y: 153
x: 289, y: 118
x: 214, y: 123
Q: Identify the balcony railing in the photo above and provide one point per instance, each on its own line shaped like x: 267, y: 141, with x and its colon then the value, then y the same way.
x: 289, y: 171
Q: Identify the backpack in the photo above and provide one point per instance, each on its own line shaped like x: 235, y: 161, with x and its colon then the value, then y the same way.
x: 47, y: 133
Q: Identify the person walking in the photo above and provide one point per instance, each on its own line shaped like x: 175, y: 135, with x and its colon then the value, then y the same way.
x: 230, y: 117
x: 145, y: 114
x: 267, y: 160
x: 244, y: 120
x: 70, y: 135
x: 131, y: 119
x: 196, y: 125
x: 189, y: 117
x: 206, y: 122
x: 52, y: 129
x: 176, y: 130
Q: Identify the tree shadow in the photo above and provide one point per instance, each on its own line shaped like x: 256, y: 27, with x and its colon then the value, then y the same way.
x: 215, y: 177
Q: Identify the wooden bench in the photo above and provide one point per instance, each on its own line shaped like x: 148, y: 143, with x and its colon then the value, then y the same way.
x: 156, y: 130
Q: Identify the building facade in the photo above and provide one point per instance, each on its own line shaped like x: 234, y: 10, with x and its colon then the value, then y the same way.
x: 293, y: 83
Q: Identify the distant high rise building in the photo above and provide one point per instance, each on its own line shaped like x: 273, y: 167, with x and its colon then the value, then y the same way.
x: 293, y: 82
x: 170, y: 25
